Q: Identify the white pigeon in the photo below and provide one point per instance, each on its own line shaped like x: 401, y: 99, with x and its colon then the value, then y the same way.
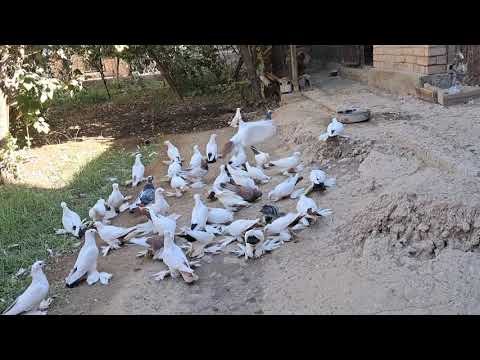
x: 196, y: 173
x: 256, y: 173
x: 86, y: 264
x: 197, y: 157
x: 163, y: 223
x: 174, y: 168
x: 287, y: 163
x: 219, y: 216
x: 212, y: 149
x: 160, y: 206
x: 238, y: 227
x: 285, y: 188
x: 261, y: 158
x: 237, y: 119
x: 241, y: 177
x: 172, y: 152
x: 250, y: 133
x: 282, y: 223
x: 175, y: 260
x: 111, y: 235
x: 98, y: 212
x: 320, y: 181
x: 116, y: 198
x: 307, y: 206
x: 239, y: 157
x: 138, y: 170
x: 35, y: 293
x: 71, y: 221
x: 199, y: 214
x: 231, y: 201
x: 254, y: 239
x: 178, y: 184
x: 335, y: 128
x: 220, y: 179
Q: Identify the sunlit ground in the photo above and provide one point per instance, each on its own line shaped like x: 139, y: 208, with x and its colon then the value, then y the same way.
x: 54, y: 166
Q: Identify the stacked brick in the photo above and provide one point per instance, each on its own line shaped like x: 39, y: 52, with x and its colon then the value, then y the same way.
x: 417, y: 59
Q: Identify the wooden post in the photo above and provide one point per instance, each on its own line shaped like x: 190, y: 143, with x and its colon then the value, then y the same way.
x: 294, y: 68
x: 4, y: 117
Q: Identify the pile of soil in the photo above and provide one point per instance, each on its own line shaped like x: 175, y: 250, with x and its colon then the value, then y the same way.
x: 416, y: 226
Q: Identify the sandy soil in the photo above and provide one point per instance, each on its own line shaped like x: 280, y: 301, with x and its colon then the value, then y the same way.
x: 403, y: 238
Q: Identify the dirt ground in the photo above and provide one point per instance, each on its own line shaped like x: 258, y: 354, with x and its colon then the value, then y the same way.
x: 403, y: 238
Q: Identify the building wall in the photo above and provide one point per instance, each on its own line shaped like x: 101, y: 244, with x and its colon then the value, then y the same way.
x: 416, y: 59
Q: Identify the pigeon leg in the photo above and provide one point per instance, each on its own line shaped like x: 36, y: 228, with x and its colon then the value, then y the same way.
x: 93, y: 277
x: 44, y: 304
x: 142, y: 253
x: 105, y: 250
x: 161, y: 275
x: 105, y: 278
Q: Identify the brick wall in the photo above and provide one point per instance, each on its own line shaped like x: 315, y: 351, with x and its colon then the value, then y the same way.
x: 417, y: 59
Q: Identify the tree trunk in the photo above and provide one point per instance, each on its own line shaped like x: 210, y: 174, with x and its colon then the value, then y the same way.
x: 237, y: 69
x: 118, y: 68
x: 4, y: 118
x: 249, y: 58
x: 472, y: 57
x: 102, y: 74
x: 165, y: 73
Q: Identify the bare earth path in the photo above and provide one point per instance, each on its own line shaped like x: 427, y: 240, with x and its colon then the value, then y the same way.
x: 403, y: 238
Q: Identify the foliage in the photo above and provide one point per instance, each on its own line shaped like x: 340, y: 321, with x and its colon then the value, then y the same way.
x: 28, y: 79
x: 8, y: 159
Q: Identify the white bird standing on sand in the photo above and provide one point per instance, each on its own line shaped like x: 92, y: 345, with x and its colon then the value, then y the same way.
x: 172, y: 152
x: 175, y: 260
x: 251, y: 133
x: 320, y: 181
x: 307, y: 206
x: 98, y: 211
x: 34, y: 295
x: 196, y: 159
x: 178, y: 184
x: 257, y: 174
x: 261, y: 158
x: 231, y: 201
x: 116, y: 201
x: 71, y: 221
x: 254, y: 239
x: 160, y: 206
x: 284, y: 189
x: 239, y: 157
x: 335, y: 128
x: 287, y: 163
x: 212, y: 149
x: 237, y: 119
x: 219, y: 216
x: 280, y: 226
x: 111, y: 235
x: 199, y: 214
x: 163, y: 223
x: 86, y: 264
x: 138, y: 171
x: 174, y: 169
x: 241, y: 177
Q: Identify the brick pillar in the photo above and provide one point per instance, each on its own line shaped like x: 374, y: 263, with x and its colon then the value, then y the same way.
x: 415, y: 59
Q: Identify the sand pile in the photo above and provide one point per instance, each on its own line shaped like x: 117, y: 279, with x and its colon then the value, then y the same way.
x: 306, y: 140
x: 416, y: 226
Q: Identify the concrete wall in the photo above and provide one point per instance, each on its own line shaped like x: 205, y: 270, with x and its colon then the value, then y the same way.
x: 415, y: 59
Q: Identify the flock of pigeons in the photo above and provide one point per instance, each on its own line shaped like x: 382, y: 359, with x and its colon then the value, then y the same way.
x: 211, y: 228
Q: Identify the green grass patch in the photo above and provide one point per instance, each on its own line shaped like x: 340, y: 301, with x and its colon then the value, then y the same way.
x: 29, y: 216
